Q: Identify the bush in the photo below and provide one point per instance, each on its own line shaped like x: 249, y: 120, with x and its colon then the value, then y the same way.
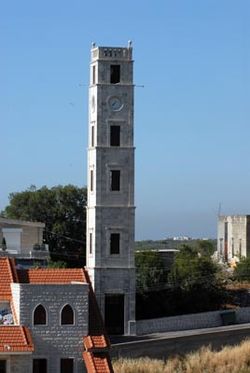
x: 242, y: 270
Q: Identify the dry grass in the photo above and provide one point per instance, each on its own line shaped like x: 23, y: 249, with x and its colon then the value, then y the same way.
x: 228, y: 360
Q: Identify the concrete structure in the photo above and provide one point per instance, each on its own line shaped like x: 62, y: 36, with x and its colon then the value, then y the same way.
x: 49, y: 322
x: 24, y: 239
x: 233, y: 237
x: 110, y: 209
x: 167, y: 345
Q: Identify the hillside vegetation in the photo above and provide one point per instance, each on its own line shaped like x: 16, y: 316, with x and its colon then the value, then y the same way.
x: 230, y: 360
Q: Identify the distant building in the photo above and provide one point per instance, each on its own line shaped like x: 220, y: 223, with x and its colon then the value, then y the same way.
x: 50, y: 322
x: 23, y: 240
x: 182, y: 238
x: 233, y: 238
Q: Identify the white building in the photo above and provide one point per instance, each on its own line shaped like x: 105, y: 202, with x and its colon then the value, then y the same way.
x: 110, y: 209
x: 233, y: 238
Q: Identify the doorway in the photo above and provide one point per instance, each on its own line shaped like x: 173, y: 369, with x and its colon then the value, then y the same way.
x: 114, y: 313
x: 3, y: 366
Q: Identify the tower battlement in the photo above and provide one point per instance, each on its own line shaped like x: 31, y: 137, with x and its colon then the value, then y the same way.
x: 111, y: 53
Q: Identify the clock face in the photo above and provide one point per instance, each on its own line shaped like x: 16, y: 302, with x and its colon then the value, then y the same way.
x: 115, y: 103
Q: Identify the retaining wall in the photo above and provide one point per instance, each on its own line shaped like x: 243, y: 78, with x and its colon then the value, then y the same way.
x: 188, y: 322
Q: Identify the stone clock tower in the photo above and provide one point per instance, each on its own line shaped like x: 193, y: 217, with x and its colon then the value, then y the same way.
x: 110, y: 209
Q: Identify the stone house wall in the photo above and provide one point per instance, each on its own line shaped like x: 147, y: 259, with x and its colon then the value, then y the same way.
x: 54, y: 341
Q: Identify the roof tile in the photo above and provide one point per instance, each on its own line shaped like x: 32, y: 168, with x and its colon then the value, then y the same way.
x: 51, y: 276
x: 6, y: 278
x: 97, y: 362
x: 15, y: 339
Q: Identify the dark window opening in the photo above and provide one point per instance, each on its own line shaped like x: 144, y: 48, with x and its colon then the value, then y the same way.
x: 115, y: 243
x: 39, y: 366
x: 115, y: 135
x: 115, y: 72
x: 92, y: 136
x: 115, y: 180
x: 67, y: 315
x: 91, y: 180
x: 67, y: 366
x: 114, y: 313
x: 93, y: 75
x: 90, y: 242
x: 40, y: 317
x: 3, y: 366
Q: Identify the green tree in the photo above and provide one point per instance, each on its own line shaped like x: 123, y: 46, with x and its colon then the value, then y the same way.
x: 242, y: 270
x: 190, y: 268
x: 62, y: 209
x: 150, y: 272
x: 197, y: 278
x: 206, y: 247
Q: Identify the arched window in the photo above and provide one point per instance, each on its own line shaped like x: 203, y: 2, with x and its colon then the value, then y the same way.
x: 40, y: 315
x: 67, y: 315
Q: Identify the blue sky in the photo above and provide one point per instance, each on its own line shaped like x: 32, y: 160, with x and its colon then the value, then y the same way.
x: 191, y: 118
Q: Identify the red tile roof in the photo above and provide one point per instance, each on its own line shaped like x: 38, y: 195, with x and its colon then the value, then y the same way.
x: 6, y: 278
x: 97, y: 362
x: 94, y: 342
x: 15, y: 339
x: 51, y: 275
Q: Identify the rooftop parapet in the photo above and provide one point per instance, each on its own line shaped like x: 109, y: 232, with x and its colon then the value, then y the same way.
x: 111, y: 53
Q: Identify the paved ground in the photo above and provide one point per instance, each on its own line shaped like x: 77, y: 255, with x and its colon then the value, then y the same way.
x: 163, y: 345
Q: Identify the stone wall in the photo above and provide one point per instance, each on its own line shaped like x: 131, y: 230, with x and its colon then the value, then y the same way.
x: 18, y: 363
x: 187, y: 322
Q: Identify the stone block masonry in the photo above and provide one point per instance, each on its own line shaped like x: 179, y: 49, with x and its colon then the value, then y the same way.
x: 55, y: 341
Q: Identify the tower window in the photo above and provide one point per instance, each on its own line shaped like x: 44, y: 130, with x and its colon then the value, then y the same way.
x: 115, y: 135
x: 90, y: 243
x: 115, y: 180
x: 91, y: 180
x: 93, y: 75
x: 115, y: 72
x: 40, y: 316
x: 92, y: 136
x: 115, y: 243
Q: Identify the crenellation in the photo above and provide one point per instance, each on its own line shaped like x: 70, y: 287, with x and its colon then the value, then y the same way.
x: 111, y: 53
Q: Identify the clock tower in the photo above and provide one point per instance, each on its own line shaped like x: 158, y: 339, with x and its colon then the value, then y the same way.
x: 110, y: 208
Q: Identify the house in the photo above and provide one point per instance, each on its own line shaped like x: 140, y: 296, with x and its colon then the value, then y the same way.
x: 24, y: 240
x: 50, y: 322
x: 233, y: 237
